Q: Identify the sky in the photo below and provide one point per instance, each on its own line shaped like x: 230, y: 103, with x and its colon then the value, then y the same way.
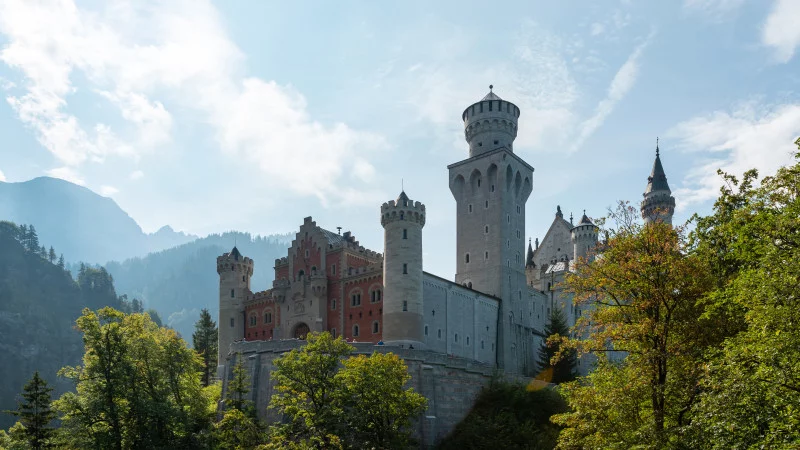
x: 251, y: 115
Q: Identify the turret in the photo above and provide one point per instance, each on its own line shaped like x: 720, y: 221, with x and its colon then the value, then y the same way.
x: 658, y: 203
x: 402, y: 221
x: 489, y: 124
x: 584, y: 238
x: 234, y: 272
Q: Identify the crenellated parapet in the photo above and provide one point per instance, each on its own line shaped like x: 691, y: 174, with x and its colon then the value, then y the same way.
x: 489, y: 124
x: 234, y: 262
x: 402, y: 209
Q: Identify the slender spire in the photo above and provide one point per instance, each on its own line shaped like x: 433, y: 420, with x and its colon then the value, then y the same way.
x: 657, y: 147
x: 529, y: 260
x: 657, y: 181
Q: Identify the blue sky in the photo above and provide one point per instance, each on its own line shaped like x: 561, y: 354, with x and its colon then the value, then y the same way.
x: 251, y: 115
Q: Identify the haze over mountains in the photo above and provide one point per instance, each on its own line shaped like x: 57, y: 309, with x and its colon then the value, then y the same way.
x: 81, y: 224
x: 171, y: 272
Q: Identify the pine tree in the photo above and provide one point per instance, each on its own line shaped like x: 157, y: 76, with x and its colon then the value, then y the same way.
x: 43, y: 252
x: 32, y: 239
x: 204, y: 340
x: 51, y: 255
x: 239, y: 387
x: 22, y: 236
x: 564, y: 369
x: 61, y: 261
x: 136, y: 306
x: 34, y: 412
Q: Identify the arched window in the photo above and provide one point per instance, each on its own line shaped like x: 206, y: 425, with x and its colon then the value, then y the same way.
x: 402, y: 215
x: 333, y: 304
x: 253, y: 320
x: 355, y: 330
x: 466, y: 258
x: 243, y: 278
x: 301, y: 274
x: 375, y: 295
x: 313, y: 270
x: 375, y: 327
x: 333, y: 333
x: 405, y: 305
x: 426, y: 330
x: 267, y: 316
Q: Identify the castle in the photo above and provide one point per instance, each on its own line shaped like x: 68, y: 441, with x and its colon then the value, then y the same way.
x: 492, y: 315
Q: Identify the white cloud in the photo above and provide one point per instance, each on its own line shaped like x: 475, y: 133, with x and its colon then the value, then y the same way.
x: 68, y: 174
x: 136, y: 174
x: 596, y: 29
x: 144, y: 57
x: 108, y: 191
x: 621, y: 84
x: 782, y: 29
x: 749, y: 136
x: 2, y: 176
x: 713, y: 9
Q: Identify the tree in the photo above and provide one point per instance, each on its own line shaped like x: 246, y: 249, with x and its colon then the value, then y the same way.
x: 61, y: 261
x: 237, y: 431
x: 204, y: 341
x: 32, y: 240
x: 51, y: 255
x: 643, y: 298
x: 154, y: 316
x: 34, y: 412
x: 238, y: 388
x: 43, y: 252
x: 376, y: 407
x: 307, y: 388
x: 138, y: 387
x: 136, y: 306
x: 750, y: 396
x: 565, y: 361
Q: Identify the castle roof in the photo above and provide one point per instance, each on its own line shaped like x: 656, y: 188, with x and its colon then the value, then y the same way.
x: 657, y: 181
x: 529, y: 260
x: 402, y: 198
x: 235, y: 253
x: 585, y: 219
x: 491, y: 96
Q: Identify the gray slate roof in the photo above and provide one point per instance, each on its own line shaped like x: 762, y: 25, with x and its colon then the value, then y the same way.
x: 657, y: 181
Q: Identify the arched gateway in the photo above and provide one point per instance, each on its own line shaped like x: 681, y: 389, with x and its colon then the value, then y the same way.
x: 300, y: 331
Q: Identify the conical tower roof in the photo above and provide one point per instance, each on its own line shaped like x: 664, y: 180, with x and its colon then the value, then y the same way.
x: 657, y: 181
x: 529, y: 260
x: 585, y: 219
x: 402, y: 198
x: 235, y: 253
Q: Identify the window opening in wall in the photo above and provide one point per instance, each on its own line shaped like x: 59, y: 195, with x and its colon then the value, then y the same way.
x: 301, y: 274
x: 496, y: 142
x: 355, y: 330
x: 306, y: 253
x: 405, y: 305
x: 231, y: 293
x: 333, y: 304
x: 356, y: 300
x: 508, y: 218
x: 481, y: 345
x: 242, y: 277
x: 405, y: 233
x: 486, y: 204
x: 405, y: 268
x: 268, y: 318
x: 490, y: 106
x: 481, y: 107
x: 426, y: 330
x: 486, y: 229
x: 333, y: 332
x: 519, y: 209
x: 508, y: 243
x: 456, y: 337
x: 479, y: 182
x: 439, y: 333
x: 402, y: 215
x: 467, y: 340
x: 485, y: 255
x: 466, y: 259
x: 333, y: 269
x: 253, y: 321
x: 231, y: 322
x: 233, y: 269
x: 493, y: 185
x: 480, y: 144
x: 375, y: 327
x: 470, y: 208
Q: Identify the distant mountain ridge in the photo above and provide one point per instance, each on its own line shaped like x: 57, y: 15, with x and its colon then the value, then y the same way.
x: 83, y: 225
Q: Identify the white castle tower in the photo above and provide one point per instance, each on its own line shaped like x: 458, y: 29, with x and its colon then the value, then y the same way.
x: 584, y: 237
x: 658, y: 202
x: 402, y: 221
x: 234, y: 283
x: 491, y: 188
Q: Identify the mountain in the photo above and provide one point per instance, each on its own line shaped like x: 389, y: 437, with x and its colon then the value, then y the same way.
x: 39, y: 303
x: 80, y: 223
x: 179, y: 282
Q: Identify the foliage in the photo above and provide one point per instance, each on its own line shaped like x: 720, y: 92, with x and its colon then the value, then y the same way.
x: 138, y: 387
x: 508, y: 415
x: 237, y: 431
x: 643, y: 298
x: 558, y: 364
x: 751, y: 393
x: 333, y: 402
x: 238, y: 388
x: 34, y: 412
x: 376, y: 408
x: 204, y: 341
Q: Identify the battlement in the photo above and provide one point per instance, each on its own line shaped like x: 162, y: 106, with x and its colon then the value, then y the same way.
x: 233, y: 261
x: 403, y: 209
x: 489, y: 124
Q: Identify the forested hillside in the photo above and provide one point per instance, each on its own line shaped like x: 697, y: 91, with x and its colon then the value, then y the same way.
x: 39, y: 303
x: 180, y: 281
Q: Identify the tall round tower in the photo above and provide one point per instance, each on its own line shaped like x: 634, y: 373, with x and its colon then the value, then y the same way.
x: 402, y: 221
x: 489, y: 124
x: 234, y: 284
x: 658, y: 203
x: 584, y: 237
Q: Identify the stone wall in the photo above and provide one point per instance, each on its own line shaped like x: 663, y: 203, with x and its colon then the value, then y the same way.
x: 450, y: 384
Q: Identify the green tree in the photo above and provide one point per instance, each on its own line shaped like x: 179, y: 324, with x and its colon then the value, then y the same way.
x: 643, y: 300
x: 204, y: 341
x: 238, y: 388
x: 51, y: 255
x: 34, y: 412
x: 138, y: 387
x: 154, y: 316
x: 61, y: 261
x: 376, y: 406
x: 565, y: 361
x: 136, y: 306
x: 307, y: 389
x: 32, y: 240
x: 750, y: 396
x: 237, y: 431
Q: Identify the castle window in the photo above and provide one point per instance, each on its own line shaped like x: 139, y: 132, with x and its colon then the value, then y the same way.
x: 486, y: 229
x: 486, y: 205
x: 508, y: 218
x: 426, y: 330
x: 375, y: 295
x: 306, y: 253
x: 480, y: 144
x: 508, y: 243
x: 493, y: 185
x: 242, y: 277
x: 355, y: 330
x: 485, y: 255
x: 333, y: 269
x: 470, y: 208
x: 355, y: 299
x: 401, y: 215
x: 490, y: 106
x: 232, y: 322
x: 518, y: 234
x: 405, y: 305
x: 519, y: 209
x: 405, y: 268
x: 479, y: 182
x: 495, y: 143
x: 333, y: 304
x: 466, y: 258
x: 405, y: 233
x: 481, y: 107
x: 456, y: 337
x: 232, y: 293
x: 253, y: 320
x: 233, y: 268
x: 481, y: 345
x: 333, y: 333
x: 467, y: 340
x: 301, y: 274
x: 375, y: 327
x: 440, y: 333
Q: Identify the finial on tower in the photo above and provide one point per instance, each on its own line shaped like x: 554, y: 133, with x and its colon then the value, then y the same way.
x: 490, y: 88
x: 570, y: 218
x: 656, y: 146
x: 339, y: 229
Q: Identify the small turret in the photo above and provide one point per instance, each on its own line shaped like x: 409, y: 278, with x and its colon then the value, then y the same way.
x: 489, y: 124
x: 584, y: 238
x: 402, y: 221
x: 658, y: 203
x: 234, y: 272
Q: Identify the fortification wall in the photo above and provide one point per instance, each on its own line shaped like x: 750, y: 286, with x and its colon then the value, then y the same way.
x: 450, y: 384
